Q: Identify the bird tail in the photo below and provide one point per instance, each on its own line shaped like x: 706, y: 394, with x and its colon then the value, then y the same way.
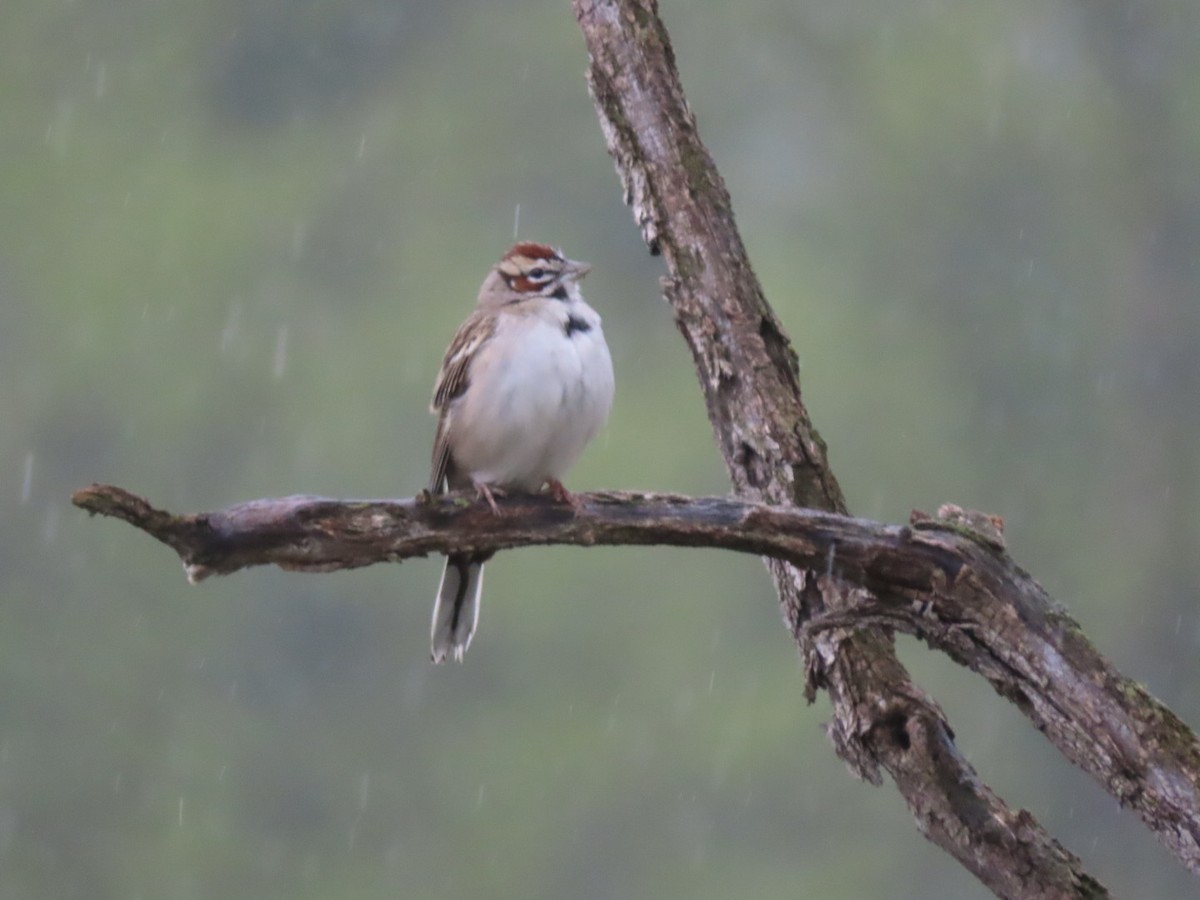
x: 456, y: 611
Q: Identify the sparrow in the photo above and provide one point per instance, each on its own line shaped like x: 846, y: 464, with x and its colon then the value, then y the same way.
x: 525, y: 384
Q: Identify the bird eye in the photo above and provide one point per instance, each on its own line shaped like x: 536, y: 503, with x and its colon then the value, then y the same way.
x: 537, y: 274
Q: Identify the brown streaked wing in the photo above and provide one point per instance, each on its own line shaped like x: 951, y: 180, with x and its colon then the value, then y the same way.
x: 454, y: 376
x: 452, y: 380
x: 441, y: 460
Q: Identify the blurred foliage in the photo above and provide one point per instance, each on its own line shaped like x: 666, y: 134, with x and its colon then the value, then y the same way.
x: 234, y: 240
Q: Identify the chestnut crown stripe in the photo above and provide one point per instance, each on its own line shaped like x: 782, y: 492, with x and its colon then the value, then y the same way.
x: 531, y: 250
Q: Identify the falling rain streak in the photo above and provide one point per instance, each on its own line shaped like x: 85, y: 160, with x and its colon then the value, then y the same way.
x: 281, y: 348
x: 27, y: 479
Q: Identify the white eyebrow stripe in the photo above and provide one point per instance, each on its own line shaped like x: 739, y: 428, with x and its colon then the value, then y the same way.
x: 517, y: 266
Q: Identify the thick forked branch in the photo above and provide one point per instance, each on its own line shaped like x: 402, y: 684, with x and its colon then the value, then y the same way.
x: 749, y: 376
x: 937, y: 580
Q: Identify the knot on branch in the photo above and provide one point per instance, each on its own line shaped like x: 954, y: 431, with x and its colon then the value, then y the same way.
x: 986, y: 528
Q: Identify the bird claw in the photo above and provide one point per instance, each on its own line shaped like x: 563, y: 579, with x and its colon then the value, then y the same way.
x: 488, y: 493
x: 562, y: 495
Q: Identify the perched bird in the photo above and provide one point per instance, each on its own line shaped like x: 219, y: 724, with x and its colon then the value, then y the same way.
x: 526, y: 383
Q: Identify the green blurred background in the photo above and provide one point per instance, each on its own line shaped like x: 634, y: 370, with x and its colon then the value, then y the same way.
x: 235, y: 238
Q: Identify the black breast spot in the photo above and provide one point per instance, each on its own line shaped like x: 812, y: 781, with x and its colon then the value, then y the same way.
x: 576, y: 324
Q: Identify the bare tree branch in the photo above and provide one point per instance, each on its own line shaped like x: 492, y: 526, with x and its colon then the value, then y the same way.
x: 941, y: 581
x: 749, y: 376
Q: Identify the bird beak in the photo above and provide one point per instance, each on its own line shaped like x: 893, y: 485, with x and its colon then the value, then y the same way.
x: 578, y: 269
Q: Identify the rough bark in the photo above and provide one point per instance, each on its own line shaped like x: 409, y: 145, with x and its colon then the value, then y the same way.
x: 941, y: 580
x: 749, y: 375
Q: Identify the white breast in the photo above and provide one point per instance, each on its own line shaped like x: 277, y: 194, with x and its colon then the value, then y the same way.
x: 536, y: 402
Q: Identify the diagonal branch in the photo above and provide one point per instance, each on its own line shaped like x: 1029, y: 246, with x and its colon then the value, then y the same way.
x: 749, y: 376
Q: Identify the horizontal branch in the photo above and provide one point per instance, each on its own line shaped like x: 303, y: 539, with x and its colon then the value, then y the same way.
x: 320, y: 534
x: 951, y: 587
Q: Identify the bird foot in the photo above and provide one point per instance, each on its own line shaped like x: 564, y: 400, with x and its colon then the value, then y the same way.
x: 562, y: 495
x: 489, y: 493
